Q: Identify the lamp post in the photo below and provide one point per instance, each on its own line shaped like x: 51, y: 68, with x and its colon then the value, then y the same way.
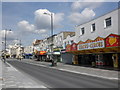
x: 5, y: 41
x: 6, y: 38
x: 20, y: 51
x: 51, y: 14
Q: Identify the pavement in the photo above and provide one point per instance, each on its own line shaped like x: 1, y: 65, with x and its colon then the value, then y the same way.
x: 95, y: 72
x: 10, y: 77
x: 1, y: 75
x: 54, y: 78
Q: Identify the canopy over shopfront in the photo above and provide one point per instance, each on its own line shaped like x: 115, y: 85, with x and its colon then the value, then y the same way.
x: 101, y: 51
x: 100, y: 45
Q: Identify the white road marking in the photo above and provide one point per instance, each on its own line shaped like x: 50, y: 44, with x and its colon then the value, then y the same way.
x: 11, y: 86
x: 11, y: 68
x: 88, y: 74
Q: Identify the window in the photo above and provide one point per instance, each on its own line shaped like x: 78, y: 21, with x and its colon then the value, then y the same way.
x: 82, y: 31
x: 68, y: 42
x: 60, y: 38
x: 93, y: 27
x: 107, y: 22
x: 72, y: 41
x: 65, y: 44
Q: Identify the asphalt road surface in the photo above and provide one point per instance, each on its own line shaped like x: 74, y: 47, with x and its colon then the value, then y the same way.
x: 54, y: 78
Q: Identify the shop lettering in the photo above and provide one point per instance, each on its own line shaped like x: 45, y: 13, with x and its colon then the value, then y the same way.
x: 99, y: 44
x: 92, y: 45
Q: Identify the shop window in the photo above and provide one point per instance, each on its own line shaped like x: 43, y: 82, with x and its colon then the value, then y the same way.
x: 93, y: 27
x: 107, y: 22
x: 82, y: 31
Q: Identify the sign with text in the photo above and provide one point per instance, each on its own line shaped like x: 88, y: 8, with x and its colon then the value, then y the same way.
x: 68, y: 48
x: 113, y: 40
x: 42, y: 52
x: 74, y: 47
x: 92, y: 45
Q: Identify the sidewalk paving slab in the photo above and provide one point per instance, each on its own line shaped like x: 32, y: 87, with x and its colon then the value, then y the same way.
x: 13, y: 78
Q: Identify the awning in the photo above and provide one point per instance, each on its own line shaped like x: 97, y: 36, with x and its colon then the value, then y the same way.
x: 100, y: 50
x: 56, y: 53
x: 28, y: 54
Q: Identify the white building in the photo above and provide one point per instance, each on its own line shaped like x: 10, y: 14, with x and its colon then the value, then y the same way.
x: 101, y: 26
x: 36, y: 44
x: 16, y: 50
x: 19, y: 52
x: 70, y: 39
x: 60, y: 39
x: 28, y: 49
x: 98, y: 41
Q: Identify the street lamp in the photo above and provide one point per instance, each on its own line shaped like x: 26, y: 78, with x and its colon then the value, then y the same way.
x: 5, y: 44
x: 51, y: 14
x: 6, y: 38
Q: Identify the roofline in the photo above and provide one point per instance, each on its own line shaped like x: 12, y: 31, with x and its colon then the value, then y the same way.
x: 63, y: 32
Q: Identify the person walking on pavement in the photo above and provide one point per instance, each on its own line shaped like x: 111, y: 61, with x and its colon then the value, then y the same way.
x: 3, y: 57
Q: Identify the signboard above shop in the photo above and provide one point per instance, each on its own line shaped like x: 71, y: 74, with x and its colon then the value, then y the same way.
x: 68, y: 48
x: 112, y: 40
x: 97, y: 43
x: 74, y: 47
x: 42, y: 52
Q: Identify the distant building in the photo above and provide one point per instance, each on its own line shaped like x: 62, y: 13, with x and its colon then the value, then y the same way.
x: 16, y: 51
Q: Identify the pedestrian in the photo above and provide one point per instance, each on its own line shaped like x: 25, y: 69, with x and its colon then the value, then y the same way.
x: 3, y: 57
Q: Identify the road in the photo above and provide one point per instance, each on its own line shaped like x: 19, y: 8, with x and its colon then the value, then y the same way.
x: 54, y: 78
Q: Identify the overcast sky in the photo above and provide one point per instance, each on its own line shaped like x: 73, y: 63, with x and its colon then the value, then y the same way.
x: 28, y: 21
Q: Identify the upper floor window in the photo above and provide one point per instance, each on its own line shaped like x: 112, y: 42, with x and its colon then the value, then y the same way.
x: 65, y: 44
x: 82, y: 31
x: 93, y: 27
x: 68, y: 42
x: 107, y: 22
x: 72, y: 41
x: 60, y: 38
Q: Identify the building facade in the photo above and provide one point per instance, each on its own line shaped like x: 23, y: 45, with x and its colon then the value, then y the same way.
x: 98, y: 41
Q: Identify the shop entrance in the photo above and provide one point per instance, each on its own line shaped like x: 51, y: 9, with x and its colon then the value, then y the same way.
x: 86, y: 60
x: 108, y: 60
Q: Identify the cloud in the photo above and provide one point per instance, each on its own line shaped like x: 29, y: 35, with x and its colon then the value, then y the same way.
x: 86, y: 15
x: 25, y: 26
x: 83, y: 11
x: 42, y: 22
x: 77, y: 6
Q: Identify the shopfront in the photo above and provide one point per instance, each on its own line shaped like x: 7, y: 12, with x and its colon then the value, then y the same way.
x: 57, y: 54
x: 89, y: 53
x: 41, y: 55
x: 113, y: 45
x: 66, y: 56
x: 101, y: 52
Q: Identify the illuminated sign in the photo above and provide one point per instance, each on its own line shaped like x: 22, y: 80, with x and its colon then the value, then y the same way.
x: 68, y: 48
x: 112, y: 40
x: 74, y: 47
x: 42, y: 52
x: 91, y: 45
